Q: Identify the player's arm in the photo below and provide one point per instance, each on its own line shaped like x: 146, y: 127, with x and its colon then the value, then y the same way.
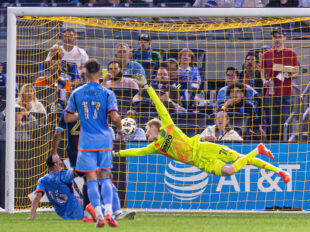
x: 113, y: 112
x: 150, y: 149
x: 71, y: 115
x: 60, y: 128
x: 35, y: 205
x: 161, y: 109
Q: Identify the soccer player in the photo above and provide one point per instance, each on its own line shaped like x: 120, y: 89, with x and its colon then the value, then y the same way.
x: 59, y: 190
x: 72, y: 133
x: 93, y: 102
x: 170, y: 141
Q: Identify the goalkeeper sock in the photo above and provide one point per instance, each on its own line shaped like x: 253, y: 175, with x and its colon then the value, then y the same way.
x: 240, y: 163
x: 262, y: 164
x: 93, y: 193
x: 106, y: 193
x: 116, y: 204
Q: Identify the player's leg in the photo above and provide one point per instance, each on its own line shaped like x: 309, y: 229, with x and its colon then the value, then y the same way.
x: 105, y: 165
x: 87, y: 163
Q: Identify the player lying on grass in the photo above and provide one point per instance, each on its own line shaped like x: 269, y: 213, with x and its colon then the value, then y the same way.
x: 212, y: 158
x: 58, y: 185
x: 72, y: 135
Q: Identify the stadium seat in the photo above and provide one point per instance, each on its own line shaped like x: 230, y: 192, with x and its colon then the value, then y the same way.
x: 149, y: 67
x: 239, y: 120
x: 175, y: 4
x: 125, y: 93
x: 123, y: 105
x: 144, y: 105
x: 137, y: 4
x: 48, y: 94
x: 2, y: 105
x: 194, y: 118
x: 189, y: 129
x: 100, y: 5
x: 144, y: 117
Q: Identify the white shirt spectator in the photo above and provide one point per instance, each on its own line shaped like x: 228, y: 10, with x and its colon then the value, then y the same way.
x: 214, y: 3
x: 76, y: 55
x: 229, y: 135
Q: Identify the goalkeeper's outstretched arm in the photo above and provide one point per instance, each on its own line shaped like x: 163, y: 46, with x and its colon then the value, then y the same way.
x: 150, y: 149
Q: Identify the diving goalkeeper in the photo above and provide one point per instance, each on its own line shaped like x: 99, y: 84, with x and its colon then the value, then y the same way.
x: 212, y: 158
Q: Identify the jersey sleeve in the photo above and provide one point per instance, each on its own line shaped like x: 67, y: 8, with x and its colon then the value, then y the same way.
x: 112, y: 102
x: 150, y: 149
x: 66, y: 176
x: 40, y: 185
x: 137, y: 68
x: 161, y: 109
x: 71, y: 104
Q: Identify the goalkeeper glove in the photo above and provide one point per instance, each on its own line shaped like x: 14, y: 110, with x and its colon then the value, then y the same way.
x: 115, y: 154
x: 140, y: 80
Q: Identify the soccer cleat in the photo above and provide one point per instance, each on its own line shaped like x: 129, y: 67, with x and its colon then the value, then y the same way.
x: 90, y: 209
x: 261, y: 149
x: 126, y: 215
x: 111, y: 221
x: 100, y: 223
x: 88, y: 220
x: 285, y: 176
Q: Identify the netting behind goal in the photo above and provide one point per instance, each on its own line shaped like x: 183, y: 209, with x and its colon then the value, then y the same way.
x: 155, y: 181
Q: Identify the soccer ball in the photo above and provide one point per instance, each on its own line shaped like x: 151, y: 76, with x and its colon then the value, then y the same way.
x: 129, y: 126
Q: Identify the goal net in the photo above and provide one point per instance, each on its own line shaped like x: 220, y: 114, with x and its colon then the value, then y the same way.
x: 203, y: 54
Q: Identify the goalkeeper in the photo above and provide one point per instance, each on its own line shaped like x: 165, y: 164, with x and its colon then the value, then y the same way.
x: 212, y: 158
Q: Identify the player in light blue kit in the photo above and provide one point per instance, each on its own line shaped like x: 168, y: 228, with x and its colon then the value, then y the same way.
x: 57, y: 185
x: 93, y: 103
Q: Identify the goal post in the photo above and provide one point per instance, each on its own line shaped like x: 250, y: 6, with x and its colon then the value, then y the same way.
x: 142, y: 199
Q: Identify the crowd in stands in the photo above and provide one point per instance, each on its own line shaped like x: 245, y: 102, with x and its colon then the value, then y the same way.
x: 244, y: 108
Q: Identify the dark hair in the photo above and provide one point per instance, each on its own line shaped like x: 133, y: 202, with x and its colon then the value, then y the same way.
x: 49, y: 161
x: 235, y: 85
x: 92, y: 66
x: 253, y: 53
x: 173, y: 61
x: 232, y: 69
x: 69, y: 30
x: 115, y: 62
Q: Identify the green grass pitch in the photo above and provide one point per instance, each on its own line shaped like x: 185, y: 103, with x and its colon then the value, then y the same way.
x: 162, y: 222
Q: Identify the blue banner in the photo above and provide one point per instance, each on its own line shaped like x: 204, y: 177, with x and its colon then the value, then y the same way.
x: 158, y: 182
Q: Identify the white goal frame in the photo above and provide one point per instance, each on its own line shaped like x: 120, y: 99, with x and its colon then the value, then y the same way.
x: 12, y: 12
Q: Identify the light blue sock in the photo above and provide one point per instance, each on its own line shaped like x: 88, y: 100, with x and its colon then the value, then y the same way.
x: 93, y: 192
x: 116, y: 204
x: 106, y: 190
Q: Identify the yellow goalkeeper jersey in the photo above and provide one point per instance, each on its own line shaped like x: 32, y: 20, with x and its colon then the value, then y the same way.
x: 171, y: 141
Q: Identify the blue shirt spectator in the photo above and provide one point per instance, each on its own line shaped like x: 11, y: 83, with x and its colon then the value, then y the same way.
x: 133, y: 68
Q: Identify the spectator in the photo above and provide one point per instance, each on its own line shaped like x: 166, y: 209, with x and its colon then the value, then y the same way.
x: 130, y: 68
x: 279, y: 93
x: 250, y: 75
x: 71, y: 53
x: 3, y: 77
x: 163, y: 88
x: 232, y: 77
x: 176, y: 89
x: 283, y: 3
x: 238, y: 104
x: 138, y: 134
x: 28, y: 100
x: 145, y: 52
x: 221, y: 131
x: 25, y: 123
x: 304, y: 3
x: 114, y: 78
x: 189, y: 76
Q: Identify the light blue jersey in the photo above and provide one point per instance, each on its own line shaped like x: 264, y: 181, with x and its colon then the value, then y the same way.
x: 133, y: 68
x: 93, y: 102
x: 61, y: 194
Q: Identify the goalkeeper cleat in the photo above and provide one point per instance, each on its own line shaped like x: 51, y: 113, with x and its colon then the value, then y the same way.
x: 285, y: 176
x: 126, y: 215
x: 90, y: 209
x: 111, y: 221
x: 88, y: 220
x: 262, y: 150
x: 100, y: 223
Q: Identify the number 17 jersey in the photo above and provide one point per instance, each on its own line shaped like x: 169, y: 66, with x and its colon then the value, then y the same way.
x: 93, y: 102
